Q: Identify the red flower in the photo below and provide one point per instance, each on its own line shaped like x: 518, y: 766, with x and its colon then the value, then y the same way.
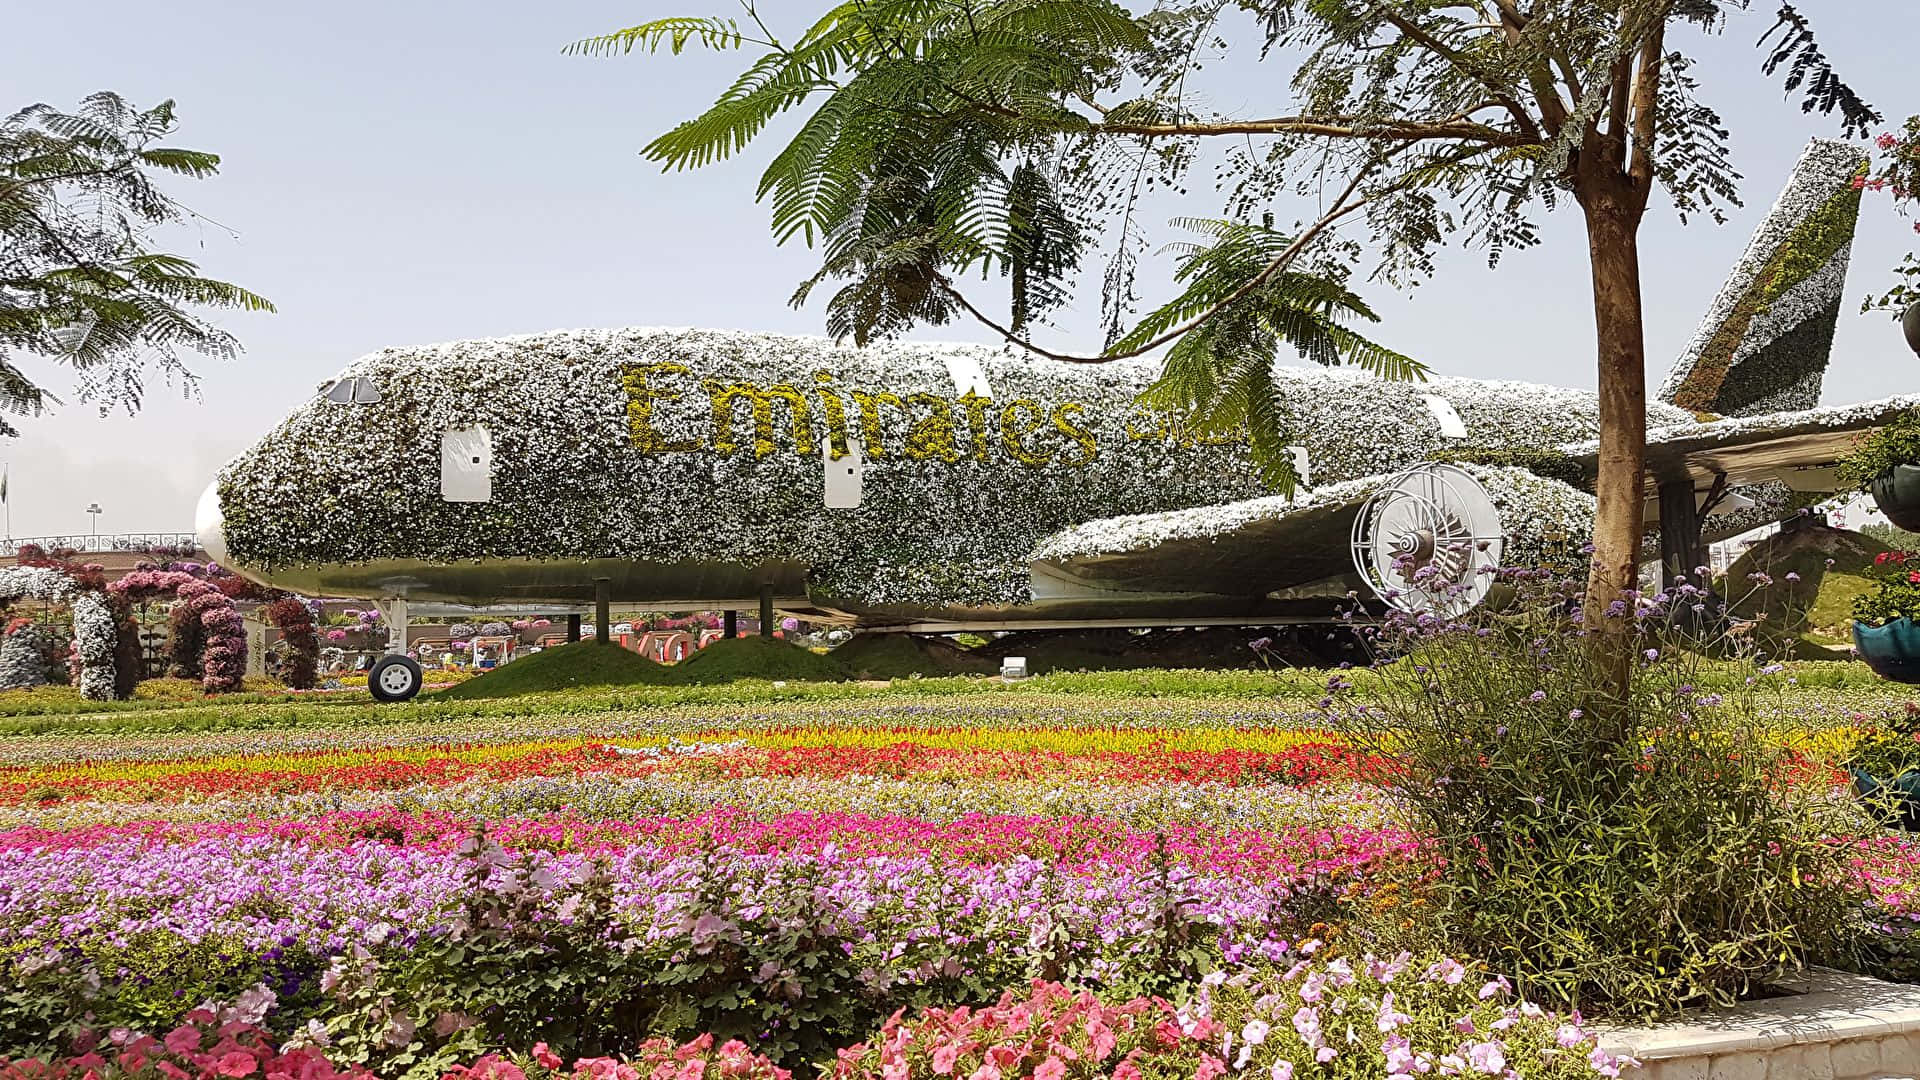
x: 235, y: 1064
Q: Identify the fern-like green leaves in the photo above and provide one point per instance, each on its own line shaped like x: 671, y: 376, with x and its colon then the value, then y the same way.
x: 675, y: 34
x: 77, y: 283
x: 1220, y: 372
x: 929, y: 147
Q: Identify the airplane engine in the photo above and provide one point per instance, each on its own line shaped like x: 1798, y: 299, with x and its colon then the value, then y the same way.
x: 1428, y: 541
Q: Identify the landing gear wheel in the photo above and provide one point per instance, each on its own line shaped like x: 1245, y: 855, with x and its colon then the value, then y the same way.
x: 394, y: 678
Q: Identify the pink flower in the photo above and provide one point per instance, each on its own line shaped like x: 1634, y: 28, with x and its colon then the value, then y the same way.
x: 1102, y: 1039
x: 495, y: 1067
x: 235, y: 1064
x: 544, y: 1056
x: 1487, y: 1057
x: 1051, y: 1069
x: 184, y: 1039
x: 944, y: 1056
x: 1282, y: 1070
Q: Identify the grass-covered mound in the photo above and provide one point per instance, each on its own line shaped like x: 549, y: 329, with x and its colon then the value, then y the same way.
x: 903, y: 656
x: 1811, y: 615
x: 730, y: 660
x: 563, y: 667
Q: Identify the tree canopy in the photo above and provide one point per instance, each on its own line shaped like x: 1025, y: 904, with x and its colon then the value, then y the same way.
x: 80, y: 282
x: 948, y: 139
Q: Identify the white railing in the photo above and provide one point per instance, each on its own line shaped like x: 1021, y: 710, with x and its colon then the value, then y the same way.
x: 98, y: 543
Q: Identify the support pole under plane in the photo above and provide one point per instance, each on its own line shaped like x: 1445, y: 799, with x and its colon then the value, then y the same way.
x: 395, y: 612
x: 573, y: 628
x: 603, y: 610
x: 766, y: 610
x: 1680, y: 548
x: 729, y: 623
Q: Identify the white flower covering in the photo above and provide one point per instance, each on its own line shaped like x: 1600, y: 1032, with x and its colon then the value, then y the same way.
x: 35, y: 582
x: 576, y: 476
x: 24, y: 657
x: 1672, y: 439
x: 1807, y: 306
x: 93, y: 629
x: 94, y: 633
x: 1539, y: 516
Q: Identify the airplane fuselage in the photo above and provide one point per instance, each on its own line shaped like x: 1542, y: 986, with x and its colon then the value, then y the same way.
x: 690, y: 469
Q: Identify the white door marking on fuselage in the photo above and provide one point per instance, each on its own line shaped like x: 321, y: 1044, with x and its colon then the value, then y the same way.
x: 968, y: 376
x: 844, y: 477
x: 1451, y: 426
x: 466, y: 465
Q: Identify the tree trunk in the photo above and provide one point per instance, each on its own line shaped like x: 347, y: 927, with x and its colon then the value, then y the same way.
x: 1612, y: 234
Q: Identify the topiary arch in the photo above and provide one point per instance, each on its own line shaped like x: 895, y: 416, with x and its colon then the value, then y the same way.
x: 94, y: 632
x: 205, y: 630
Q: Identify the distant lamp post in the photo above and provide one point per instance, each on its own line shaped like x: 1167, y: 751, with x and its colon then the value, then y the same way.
x: 94, y: 509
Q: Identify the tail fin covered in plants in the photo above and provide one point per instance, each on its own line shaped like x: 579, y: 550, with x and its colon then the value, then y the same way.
x: 1764, y: 344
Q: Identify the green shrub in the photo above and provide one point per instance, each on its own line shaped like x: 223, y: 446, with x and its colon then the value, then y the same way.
x: 1896, y: 592
x: 1896, y: 443
x: 1635, y: 856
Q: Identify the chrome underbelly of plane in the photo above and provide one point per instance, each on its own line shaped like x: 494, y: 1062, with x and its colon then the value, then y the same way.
x: 500, y: 584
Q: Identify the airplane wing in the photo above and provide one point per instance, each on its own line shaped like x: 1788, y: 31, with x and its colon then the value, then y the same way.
x: 1281, y: 549
x: 1797, y: 448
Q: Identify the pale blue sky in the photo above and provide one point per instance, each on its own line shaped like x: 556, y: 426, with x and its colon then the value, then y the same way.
x: 403, y: 172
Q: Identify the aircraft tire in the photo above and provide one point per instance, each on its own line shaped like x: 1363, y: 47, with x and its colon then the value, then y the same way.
x: 394, y: 678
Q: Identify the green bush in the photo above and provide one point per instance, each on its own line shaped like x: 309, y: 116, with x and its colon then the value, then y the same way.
x: 1896, y: 443
x: 1634, y: 856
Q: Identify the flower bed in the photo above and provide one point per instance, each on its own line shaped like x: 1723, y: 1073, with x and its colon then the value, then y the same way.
x: 867, y: 886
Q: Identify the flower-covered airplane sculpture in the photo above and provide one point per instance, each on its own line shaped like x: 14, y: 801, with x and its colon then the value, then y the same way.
x: 947, y: 486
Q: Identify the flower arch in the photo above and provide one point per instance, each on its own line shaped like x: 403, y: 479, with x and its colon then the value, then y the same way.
x: 205, y: 631
x: 94, y: 631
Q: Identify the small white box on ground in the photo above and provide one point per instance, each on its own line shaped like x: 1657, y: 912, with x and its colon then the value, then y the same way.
x: 1013, y: 667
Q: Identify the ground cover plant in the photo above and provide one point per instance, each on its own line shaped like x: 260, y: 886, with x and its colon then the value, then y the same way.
x: 1174, y: 873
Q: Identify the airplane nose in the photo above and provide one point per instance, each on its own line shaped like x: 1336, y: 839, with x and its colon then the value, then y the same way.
x: 209, y: 525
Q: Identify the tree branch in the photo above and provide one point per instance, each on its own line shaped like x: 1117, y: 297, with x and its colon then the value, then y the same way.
x: 1553, y: 111
x: 1331, y: 127
x: 1461, y: 64
x: 1341, y: 209
x: 1646, y: 105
